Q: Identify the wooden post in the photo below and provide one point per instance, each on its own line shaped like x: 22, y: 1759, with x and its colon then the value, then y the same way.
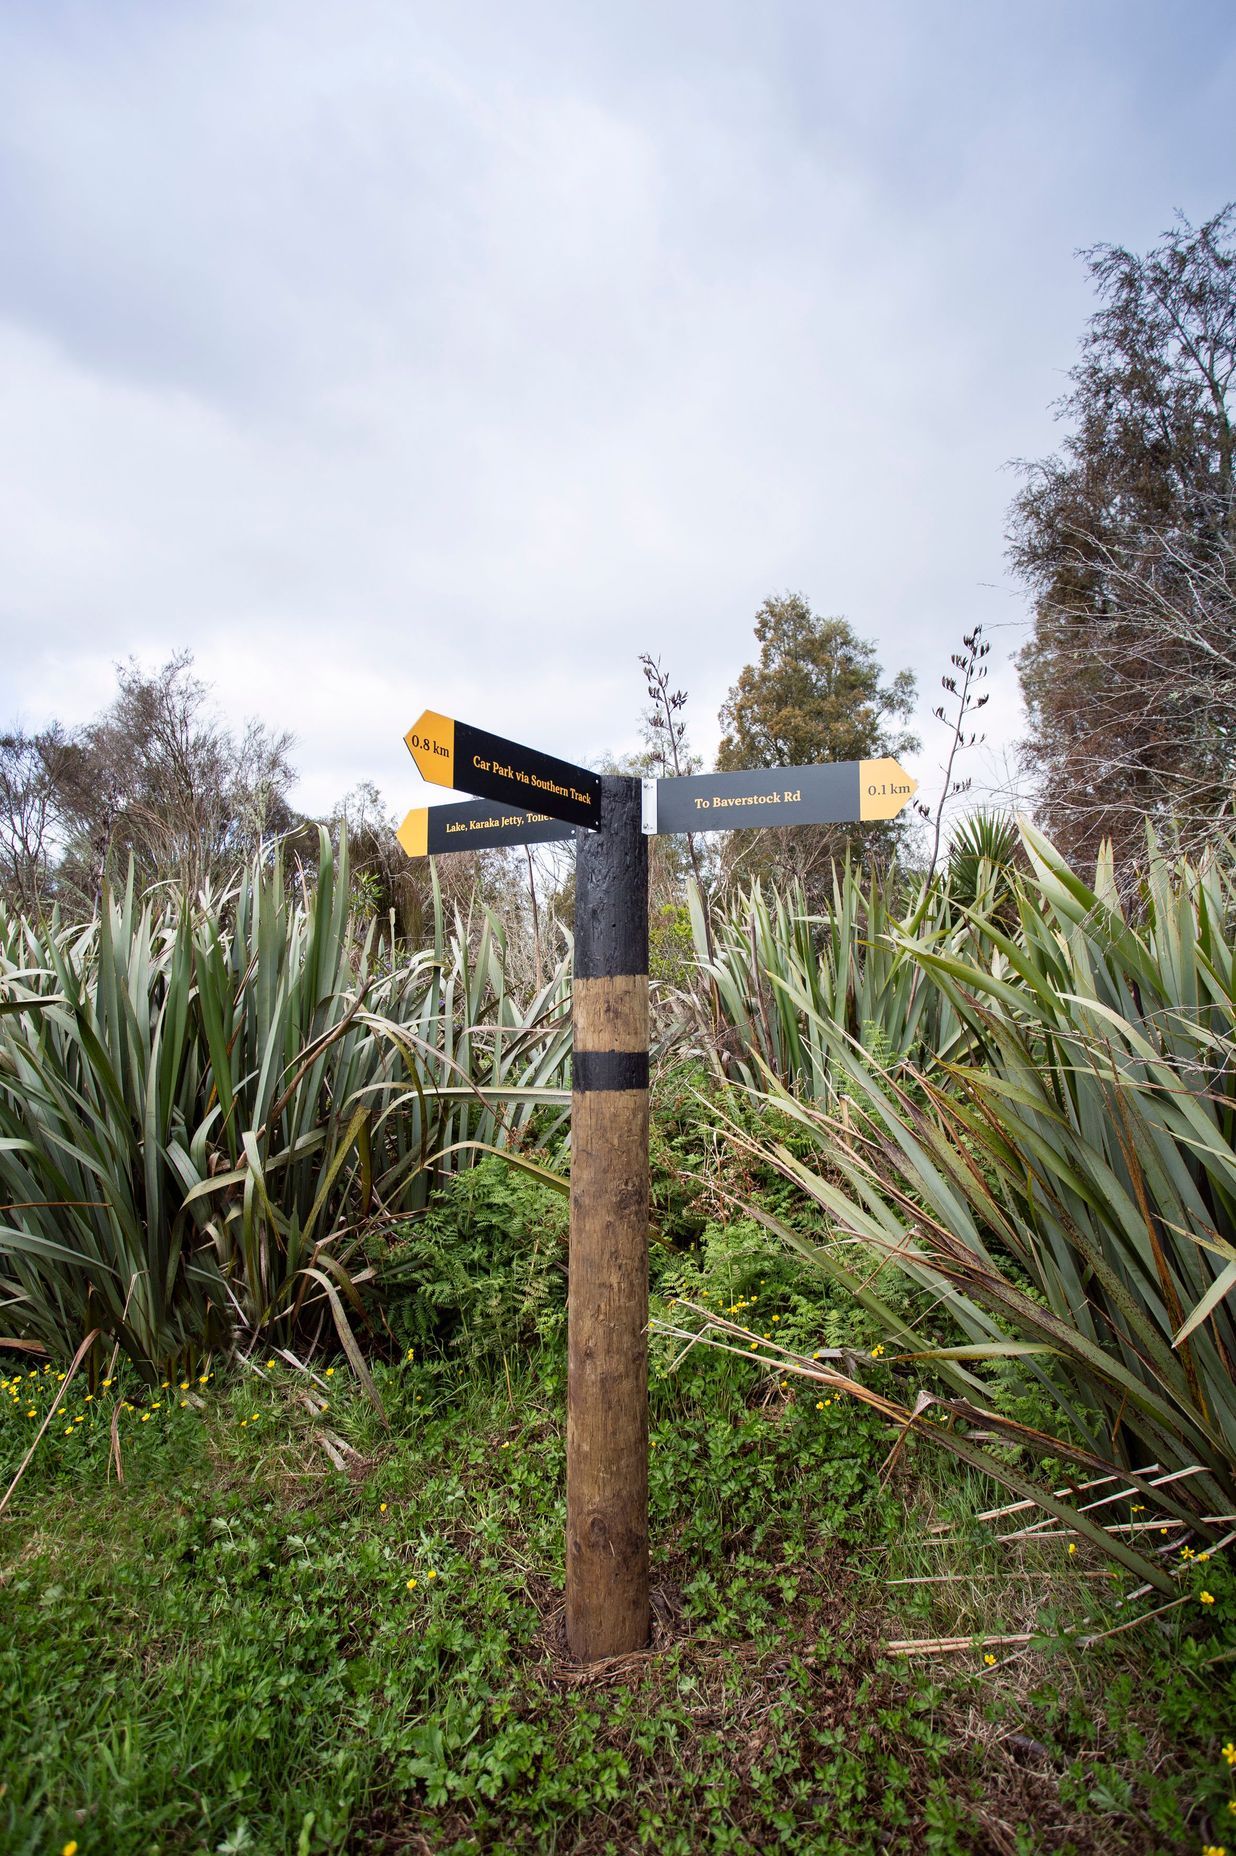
x: 607, y: 1308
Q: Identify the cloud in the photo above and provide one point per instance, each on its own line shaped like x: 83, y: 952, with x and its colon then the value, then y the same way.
x: 399, y: 357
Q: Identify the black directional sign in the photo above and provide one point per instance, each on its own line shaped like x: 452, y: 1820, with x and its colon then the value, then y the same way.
x: 833, y: 793
x: 476, y: 825
x: 451, y: 753
x: 537, y: 798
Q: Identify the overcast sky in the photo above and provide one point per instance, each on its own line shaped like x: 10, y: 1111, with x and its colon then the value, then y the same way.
x: 394, y: 356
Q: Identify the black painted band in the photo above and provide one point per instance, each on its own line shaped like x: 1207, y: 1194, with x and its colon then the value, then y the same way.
x: 609, y: 1069
x: 611, y: 887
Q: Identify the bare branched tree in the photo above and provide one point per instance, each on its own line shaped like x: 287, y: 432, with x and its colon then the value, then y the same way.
x: 1127, y: 538
x: 156, y: 778
x: 33, y: 772
x: 1147, y: 699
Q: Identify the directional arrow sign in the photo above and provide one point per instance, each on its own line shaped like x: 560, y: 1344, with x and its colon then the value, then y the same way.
x: 455, y: 754
x: 475, y: 826
x: 834, y: 793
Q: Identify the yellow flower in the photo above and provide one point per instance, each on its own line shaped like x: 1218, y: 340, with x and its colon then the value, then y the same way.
x: 1229, y: 1753
x: 990, y: 1660
x: 330, y: 1372
x: 1207, y: 1598
x: 184, y: 1385
x: 145, y: 1417
x: 79, y: 1419
x: 68, y: 1430
x: 876, y: 1352
x: 32, y: 1413
x: 1231, y: 1805
x: 382, y: 1505
x: 1214, y: 1849
x: 106, y: 1383
x: 1072, y: 1546
x: 411, y: 1585
x: 431, y: 1575
x: 819, y: 1404
x: 70, y: 1848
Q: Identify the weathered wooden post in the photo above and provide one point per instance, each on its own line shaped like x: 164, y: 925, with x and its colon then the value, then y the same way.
x: 607, y: 1307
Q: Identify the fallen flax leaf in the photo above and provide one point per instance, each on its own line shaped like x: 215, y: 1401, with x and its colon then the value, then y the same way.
x: 948, y: 1646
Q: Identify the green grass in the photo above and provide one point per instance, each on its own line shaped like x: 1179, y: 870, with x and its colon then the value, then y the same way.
x: 223, y: 1653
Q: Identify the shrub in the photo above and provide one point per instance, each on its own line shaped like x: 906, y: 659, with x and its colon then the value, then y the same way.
x: 483, y: 1270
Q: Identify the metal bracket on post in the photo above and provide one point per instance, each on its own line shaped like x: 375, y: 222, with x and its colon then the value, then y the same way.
x: 649, y: 808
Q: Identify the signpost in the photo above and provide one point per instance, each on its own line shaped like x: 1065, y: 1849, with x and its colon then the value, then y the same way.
x: 607, y: 1598
x: 455, y: 754
x: 831, y: 793
x: 476, y: 826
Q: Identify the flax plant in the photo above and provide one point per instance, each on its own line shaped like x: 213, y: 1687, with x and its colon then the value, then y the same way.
x: 786, y: 979
x: 203, y: 1106
x: 1069, y: 1184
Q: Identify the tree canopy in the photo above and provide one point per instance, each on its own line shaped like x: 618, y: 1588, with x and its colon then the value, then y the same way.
x: 1127, y: 539
x: 155, y: 778
x: 817, y: 693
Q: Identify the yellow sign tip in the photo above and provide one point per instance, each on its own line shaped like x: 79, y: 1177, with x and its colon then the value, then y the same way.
x: 884, y: 788
x: 413, y: 834
x: 431, y: 743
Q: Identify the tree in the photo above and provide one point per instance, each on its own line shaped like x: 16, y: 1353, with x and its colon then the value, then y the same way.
x: 818, y: 693
x: 155, y: 779
x: 32, y: 772
x: 1127, y: 540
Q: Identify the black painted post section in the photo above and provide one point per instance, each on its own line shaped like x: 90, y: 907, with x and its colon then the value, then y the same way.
x: 607, y: 1313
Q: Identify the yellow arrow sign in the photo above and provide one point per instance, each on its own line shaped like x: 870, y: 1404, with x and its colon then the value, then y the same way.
x: 413, y: 834
x: 431, y: 743
x: 450, y: 753
x: 884, y: 788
